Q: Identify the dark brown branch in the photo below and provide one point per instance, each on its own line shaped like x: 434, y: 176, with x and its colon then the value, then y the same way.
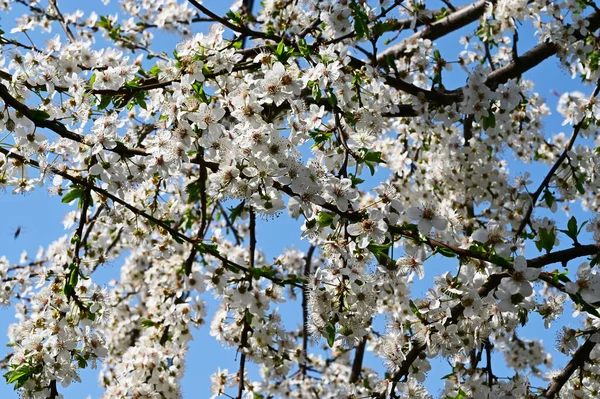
x: 240, y: 29
x: 579, y: 358
x: 53, y: 390
x: 501, y: 75
x: 246, y: 327
x: 358, y: 360
x: 563, y: 256
x: 138, y: 212
x: 534, y: 57
x: 488, y: 358
x: 544, y: 184
x: 247, y: 6
x: 62, y: 21
x: 307, y: 272
x: 456, y: 20
x: 56, y: 126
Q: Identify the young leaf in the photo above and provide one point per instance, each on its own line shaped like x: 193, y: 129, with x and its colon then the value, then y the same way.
x: 38, y: 115
x: 75, y: 193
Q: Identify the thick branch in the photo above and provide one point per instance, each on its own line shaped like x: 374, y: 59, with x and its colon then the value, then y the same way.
x: 456, y: 20
x: 138, y: 212
x: 307, y: 271
x: 56, y: 126
x: 579, y: 358
x: 563, y: 256
x: 358, y: 360
x: 534, y: 56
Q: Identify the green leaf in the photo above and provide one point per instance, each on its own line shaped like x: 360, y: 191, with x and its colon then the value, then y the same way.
x: 316, y: 92
x: 381, y: 27
x: 104, y: 22
x: 81, y: 361
x: 372, y: 158
x: 380, y: 251
x: 561, y: 276
x: 445, y: 252
x: 193, y: 191
x: 361, y: 20
x: 280, y: 49
x: 19, y: 376
x: 572, y: 227
x: 320, y: 137
x: 414, y: 308
x: 548, y: 198
x: 140, y: 98
x: 148, y: 323
x: 75, y: 193
x: 324, y: 219
x: 38, y: 115
x: 330, y: 329
x: 580, y: 179
x: 68, y: 288
x: 263, y: 271
x: 199, y: 89
x: 477, y: 248
x: 304, y: 49
x: 235, y: 212
x: 234, y: 16
x: 499, y: 260
x: 546, y: 239
x: 154, y: 71
x: 356, y: 180
x: 104, y: 102
x: 74, y: 275
x: 331, y: 98
x: 523, y: 316
x: 489, y: 121
x: 208, y: 248
x: 461, y: 394
x: 443, y: 14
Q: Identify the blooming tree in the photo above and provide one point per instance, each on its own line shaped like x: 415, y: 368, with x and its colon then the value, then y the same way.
x: 335, y: 113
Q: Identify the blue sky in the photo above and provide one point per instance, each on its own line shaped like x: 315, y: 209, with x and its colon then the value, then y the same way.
x: 39, y: 217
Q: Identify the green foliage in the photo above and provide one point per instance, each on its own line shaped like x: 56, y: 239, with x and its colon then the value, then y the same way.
x: 572, y: 230
x: 20, y: 375
x: 37, y: 115
x: 361, y: 20
x: 546, y: 240
x: 371, y: 158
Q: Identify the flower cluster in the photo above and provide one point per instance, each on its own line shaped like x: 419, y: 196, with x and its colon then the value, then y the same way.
x: 345, y: 118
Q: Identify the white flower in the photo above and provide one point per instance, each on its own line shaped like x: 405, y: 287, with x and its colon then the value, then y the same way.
x: 426, y: 218
x: 341, y: 192
x: 373, y: 228
x: 520, y: 279
x: 207, y: 119
x: 587, y: 284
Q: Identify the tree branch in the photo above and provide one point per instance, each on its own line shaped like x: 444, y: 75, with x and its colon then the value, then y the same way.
x: 579, y: 358
x: 456, y: 20
x: 307, y: 272
x: 544, y: 184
